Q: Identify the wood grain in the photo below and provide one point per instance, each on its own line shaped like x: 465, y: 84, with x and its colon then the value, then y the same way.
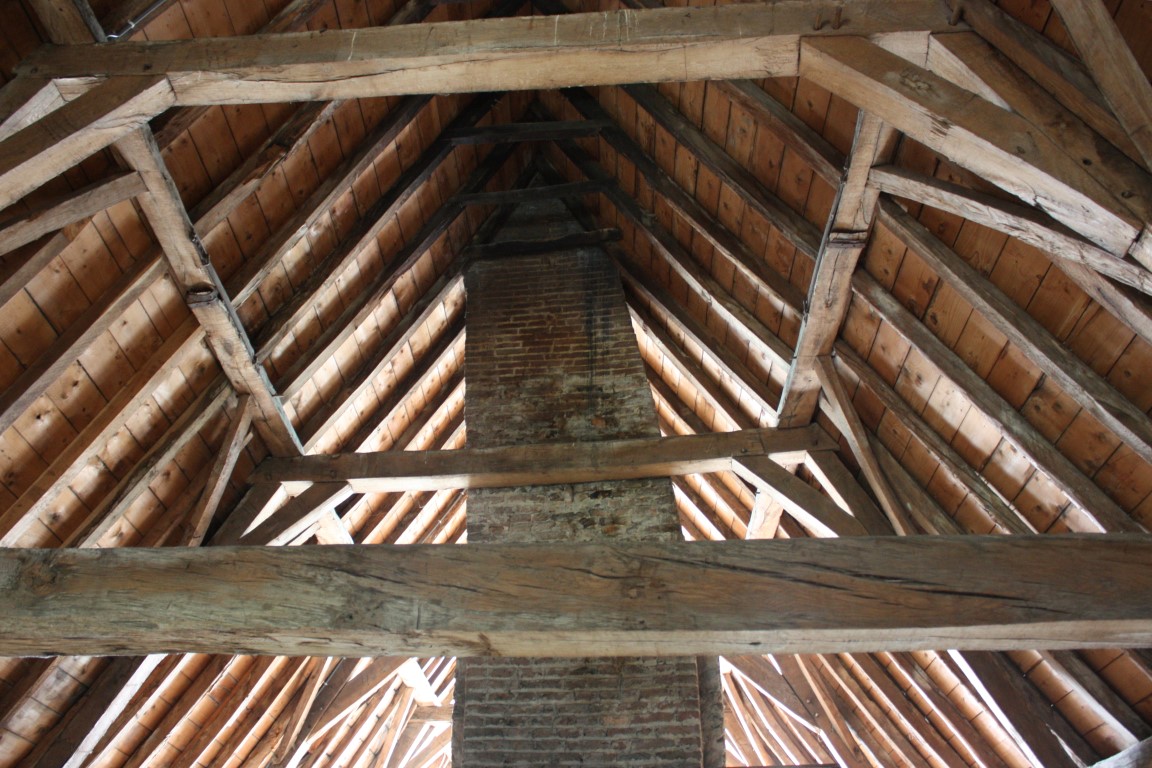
x: 855, y: 594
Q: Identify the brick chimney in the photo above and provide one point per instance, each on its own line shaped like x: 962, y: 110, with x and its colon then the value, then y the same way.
x: 551, y: 357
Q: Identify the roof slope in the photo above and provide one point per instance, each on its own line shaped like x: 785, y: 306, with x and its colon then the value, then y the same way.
x: 985, y: 365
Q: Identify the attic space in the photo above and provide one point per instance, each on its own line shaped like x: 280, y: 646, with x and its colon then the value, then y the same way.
x: 548, y: 383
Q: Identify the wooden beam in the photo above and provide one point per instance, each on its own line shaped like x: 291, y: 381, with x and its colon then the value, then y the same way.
x: 846, y: 491
x: 542, y: 464
x: 817, y: 513
x: 853, y: 594
x: 77, y: 130
x: 1113, y: 66
x: 1004, y: 148
x: 1057, y: 72
x: 47, y: 217
x: 848, y: 422
x: 1020, y: 221
x: 845, y: 237
x: 298, y: 515
x: 1138, y: 756
x: 758, y: 40
x: 233, y: 443
x: 1127, y: 179
x: 68, y: 21
x: 24, y: 100
x: 197, y: 280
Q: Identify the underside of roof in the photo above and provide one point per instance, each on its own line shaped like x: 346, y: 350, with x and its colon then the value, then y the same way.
x: 928, y: 247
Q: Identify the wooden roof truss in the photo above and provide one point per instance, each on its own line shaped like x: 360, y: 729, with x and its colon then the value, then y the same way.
x: 895, y: 285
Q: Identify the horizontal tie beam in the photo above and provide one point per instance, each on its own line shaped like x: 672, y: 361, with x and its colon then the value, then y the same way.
x: 681, y: 598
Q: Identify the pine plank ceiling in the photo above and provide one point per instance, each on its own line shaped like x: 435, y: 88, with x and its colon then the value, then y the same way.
x: 952, y: 286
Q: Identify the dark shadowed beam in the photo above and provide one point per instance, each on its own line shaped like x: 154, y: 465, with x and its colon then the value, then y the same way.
x: 545, y: 463
x: 837, y: 595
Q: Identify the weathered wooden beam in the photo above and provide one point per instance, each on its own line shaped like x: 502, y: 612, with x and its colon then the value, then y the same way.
x: 1113, y: 66
x: 24, y: 100
x: 298, y: 515
x: 848, y: 422
x: 1020, y: 221
x: 383, y: 357
x: 68, y: 21
x: 839, y: 483
x: 1127, y: 179
x: 817, y: 513
x: 78, y: 129
x: 197, y: 280
x: 519, y: 53
x: 1098, y: 697
x: 1053, y: 68
x: 112, y: 508
x: 233, y: 443
x: 1004, y: 148
x: 49, y: 216
x: 854, y: 594
x: 845, y: 237
x: 1137, y: 756
x: 542, y: 464
x: 1083, y: 262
